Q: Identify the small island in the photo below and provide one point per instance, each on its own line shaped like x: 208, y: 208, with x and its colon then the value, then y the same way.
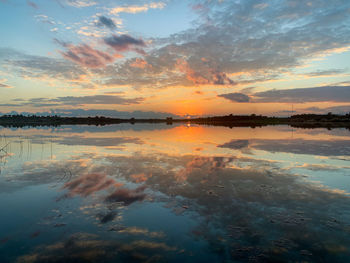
x: 300, y: 121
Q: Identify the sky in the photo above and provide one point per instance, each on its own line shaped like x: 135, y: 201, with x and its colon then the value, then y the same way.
x: 135, y: 58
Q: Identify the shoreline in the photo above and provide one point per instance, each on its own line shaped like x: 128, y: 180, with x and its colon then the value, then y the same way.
x: 297, y: 121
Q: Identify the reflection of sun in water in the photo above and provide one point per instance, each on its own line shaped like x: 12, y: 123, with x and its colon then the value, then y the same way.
x: 188, y: 133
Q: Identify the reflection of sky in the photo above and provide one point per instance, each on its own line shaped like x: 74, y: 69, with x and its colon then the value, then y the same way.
x: 177, y: 191
x: 275, y: 146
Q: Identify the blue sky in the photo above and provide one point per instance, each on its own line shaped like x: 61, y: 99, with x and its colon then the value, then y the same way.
x: 200, y: 57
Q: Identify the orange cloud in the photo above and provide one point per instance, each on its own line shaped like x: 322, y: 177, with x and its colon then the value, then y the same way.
x: 140, y: 63
x: 87, y: 56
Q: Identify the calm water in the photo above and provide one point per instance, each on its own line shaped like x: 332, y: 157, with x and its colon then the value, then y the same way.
x: 158, y: 193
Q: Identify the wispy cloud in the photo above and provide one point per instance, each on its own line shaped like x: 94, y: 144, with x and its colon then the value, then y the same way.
x: 3, y: 85
x: 97, y: 99
x: 325, y: 73
x: 32, y: 4
x: 133, y: 9
x: 81, y: 3
x: 86, y: 56
x: 77, y: 101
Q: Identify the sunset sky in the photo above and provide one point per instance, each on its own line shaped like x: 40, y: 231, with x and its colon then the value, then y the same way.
x: 134, y: 58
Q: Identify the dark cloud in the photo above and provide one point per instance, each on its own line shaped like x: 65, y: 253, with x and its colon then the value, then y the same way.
x: 97, y: 99
x: 317, y: 94
x: 321, y: 73
x: 78, y: 101
x: 302, y: 95
x: 112, y: 113
x: 236, y: 97
x: 343, y: 109
x: 105, y: 21
x: 123, y: 42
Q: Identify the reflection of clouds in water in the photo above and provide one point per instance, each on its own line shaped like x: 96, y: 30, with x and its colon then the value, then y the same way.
x: 321, y: 167
x: 83, y: 247
x: 299, y: 146
x: 90, y: 183
x: 95, y: 141
x: 127, y: 196
x: 273, y: 212
x: 270, y: 210
x: 235, y: 144
x: 141, y: 231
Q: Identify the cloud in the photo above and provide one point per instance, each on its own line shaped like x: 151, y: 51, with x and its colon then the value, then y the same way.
x: 45, y: 19
x: 86, y: 56
x: 342, y: 109
x: 236, y: 97
x: 39, y: 66
x: 105, y: 21
x: 321, y: 73
x: 229, y: 40
x: 123, y: 42
x: 302, y: 95
x: 78, y: 101
x: 133, y: 9
x: 81, y: 3
x: 2, y: 85
x: 96, y: 99
x: 203, y: 76
x: 316, y: 94
x: 140, y: 63
x: 225, y: 46
x: 111, y: 113
x: 32, y: 4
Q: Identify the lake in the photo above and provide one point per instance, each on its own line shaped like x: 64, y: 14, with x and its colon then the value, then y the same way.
x: 174, y: 193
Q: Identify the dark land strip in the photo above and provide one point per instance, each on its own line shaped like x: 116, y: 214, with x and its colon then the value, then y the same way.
x: 299, y: 121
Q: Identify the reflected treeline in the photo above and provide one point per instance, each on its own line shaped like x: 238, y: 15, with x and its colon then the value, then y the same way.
x: 302, y: 120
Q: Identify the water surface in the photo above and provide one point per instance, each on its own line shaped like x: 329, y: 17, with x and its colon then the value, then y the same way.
x: 162, y: 193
